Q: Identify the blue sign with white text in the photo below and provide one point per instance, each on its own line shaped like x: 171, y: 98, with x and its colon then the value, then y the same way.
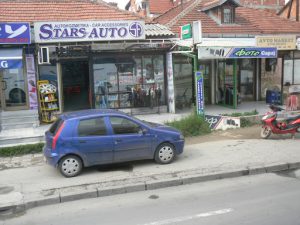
x: 11, y: 64
x: 200, y: 93
x: 15, y: 33
x: 253, y: 53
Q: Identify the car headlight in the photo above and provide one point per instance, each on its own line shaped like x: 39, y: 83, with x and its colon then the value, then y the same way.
x: 181, y: 137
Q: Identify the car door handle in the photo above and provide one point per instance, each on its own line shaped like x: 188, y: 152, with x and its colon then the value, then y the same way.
x: 118, y: 141
x: 82, y: 141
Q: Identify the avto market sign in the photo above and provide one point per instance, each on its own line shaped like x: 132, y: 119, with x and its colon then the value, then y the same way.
x: 284, y: 42
x: 15, y: 33
x: 76, y: 31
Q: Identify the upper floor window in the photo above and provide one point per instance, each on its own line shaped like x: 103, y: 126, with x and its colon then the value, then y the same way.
x: 228, y: 15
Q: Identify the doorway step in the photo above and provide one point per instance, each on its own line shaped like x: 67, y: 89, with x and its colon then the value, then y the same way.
x: 19, y: 119
x: 19, y: 127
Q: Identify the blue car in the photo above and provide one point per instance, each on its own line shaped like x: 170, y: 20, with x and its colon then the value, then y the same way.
x: 102, y: 136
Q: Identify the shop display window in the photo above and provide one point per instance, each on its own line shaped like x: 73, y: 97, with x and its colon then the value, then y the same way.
x: 126, y: 82
x: 13, y: 87
x: 183, y: 81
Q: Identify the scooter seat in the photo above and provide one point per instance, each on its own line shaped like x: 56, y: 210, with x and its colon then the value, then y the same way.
x: 288, y: 120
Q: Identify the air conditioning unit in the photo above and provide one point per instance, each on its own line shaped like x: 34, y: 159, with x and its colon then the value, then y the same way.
x: 43, y: 55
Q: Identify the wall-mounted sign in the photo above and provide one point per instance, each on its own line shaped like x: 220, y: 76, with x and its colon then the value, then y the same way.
x: 186, y: 31
x: 286, y: 42
x: 15, y: 33
x: 197, y: 32
x: 298, y: 43
x: 225, y: 52
x: 78, y: 31
x: 253, y: 53
x: 200, y: 93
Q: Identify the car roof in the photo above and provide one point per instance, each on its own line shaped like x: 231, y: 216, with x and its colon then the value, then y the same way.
x: 90, y: 112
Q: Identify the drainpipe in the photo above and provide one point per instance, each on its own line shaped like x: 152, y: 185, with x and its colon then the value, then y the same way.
x: 297, y: 10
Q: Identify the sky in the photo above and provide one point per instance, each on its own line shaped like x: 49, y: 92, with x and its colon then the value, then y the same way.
x: 121, y: 3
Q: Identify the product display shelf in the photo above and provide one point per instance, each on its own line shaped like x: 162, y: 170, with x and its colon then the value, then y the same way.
x: 48, y: 101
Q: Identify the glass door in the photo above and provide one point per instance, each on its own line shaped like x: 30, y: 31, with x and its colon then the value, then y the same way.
x: 13, y: 89
x: 205, y: 68
x: 227, y: 83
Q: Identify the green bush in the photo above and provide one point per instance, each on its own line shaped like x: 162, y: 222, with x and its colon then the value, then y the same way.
x: 192, y: 125
x: 246, y: 122
x: 238, y: 114
x: 21, y: 150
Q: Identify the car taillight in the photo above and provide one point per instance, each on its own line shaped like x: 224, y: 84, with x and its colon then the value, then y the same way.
x: 56, y: 136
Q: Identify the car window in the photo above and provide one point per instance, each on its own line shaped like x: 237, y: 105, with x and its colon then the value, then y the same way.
x: 55, y: 126
x: 122, y: 125
x: 92, y: 127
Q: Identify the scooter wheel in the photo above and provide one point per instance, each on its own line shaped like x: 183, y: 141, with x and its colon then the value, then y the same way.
x: 265, y: 132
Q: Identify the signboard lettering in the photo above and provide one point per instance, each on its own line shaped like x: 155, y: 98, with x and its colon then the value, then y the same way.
x: 3, y: 64
x: 89, y: 31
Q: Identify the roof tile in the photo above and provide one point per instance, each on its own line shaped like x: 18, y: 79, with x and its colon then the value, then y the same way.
x: 248, y: 21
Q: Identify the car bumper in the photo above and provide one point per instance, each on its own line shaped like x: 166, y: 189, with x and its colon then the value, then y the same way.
x: 179, y: 145
x: 51, y: 157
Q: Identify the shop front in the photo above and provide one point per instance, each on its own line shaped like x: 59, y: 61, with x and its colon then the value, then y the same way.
x: 14, y: 67
x: 121, y: 70
x: 235, y: 70
x: 129, y: 81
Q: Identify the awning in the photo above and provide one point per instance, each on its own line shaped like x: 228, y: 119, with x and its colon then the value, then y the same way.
x: 11, y: 58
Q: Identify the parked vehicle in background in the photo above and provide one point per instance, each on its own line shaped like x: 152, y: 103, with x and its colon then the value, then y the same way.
x: 272, y: 125
x: 94, y: 137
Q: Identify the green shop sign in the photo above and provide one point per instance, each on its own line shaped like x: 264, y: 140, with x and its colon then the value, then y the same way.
x: 186, y: 31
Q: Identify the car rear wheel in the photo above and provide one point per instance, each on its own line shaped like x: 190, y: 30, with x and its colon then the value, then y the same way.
x: 165, y: 153
x: 70, y: 166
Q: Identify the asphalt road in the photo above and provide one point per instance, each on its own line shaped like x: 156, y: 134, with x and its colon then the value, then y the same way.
x: 267, y: 199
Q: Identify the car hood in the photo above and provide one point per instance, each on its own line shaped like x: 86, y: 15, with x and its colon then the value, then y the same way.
x: 166, y: 128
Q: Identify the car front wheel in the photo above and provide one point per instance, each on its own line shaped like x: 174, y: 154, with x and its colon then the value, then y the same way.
x: 70, y: 166
x: 165, y: 153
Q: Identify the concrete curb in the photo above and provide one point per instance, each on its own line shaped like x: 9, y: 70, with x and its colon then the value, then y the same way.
x: 96, y: 190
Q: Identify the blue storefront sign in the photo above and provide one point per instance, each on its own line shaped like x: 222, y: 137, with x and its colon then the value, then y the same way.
x: 11, y: 64
x: 15, y: 33
x: 236, y: 53
x: 200, y: 93
x: 253, y: 53
x: 11, y: 58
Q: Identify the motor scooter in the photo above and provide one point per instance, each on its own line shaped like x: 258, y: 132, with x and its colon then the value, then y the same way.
x: 272, y: 125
